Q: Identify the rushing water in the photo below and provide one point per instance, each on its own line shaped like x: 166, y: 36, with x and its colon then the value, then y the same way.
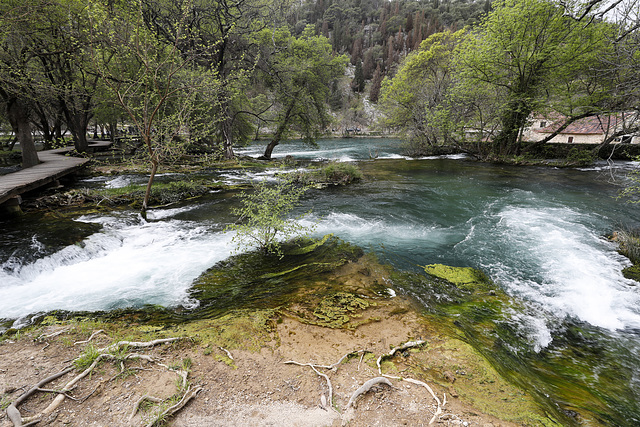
x: 538, y: 232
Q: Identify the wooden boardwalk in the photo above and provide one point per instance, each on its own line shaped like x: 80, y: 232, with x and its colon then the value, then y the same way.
x: 53, y: 165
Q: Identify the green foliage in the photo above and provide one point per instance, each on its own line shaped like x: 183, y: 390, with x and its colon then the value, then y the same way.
x: 631, y: 190
x: 161, y: 85
x: 88, y: 356
x: 298, y: 71
x: 358, y: 83
x: 632, y: 272
x: 5, y: 402
x: 161, y: 194
x: 336, y: 173
x: 342, y: 173
x: 526, y: 56
x: 580, y: 157
x: 264, y: 215
x: 415, y: 101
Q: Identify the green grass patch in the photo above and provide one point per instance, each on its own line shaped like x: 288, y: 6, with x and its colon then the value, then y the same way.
x: 335, y: 173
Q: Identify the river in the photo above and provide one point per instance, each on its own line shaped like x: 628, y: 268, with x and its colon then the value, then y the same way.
x: 538, y: 232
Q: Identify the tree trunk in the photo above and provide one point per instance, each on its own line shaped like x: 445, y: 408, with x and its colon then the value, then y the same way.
x: 113, y: 130
x: 147, y: 194
x: 78, y: 124
x: 267, y: 152
x: 513, y: 120
x: 227, y: 133
x: 277, y: 137
x: 47, y: 131
x: 18, y: 115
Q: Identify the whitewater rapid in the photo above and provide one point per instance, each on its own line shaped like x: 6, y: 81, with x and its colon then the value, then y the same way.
x: 129, y: 263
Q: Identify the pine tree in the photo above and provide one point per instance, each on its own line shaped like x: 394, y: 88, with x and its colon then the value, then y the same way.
x: 368, y: 64
x: 376, y: 83
x: 356, y: 51
x: 358, y: 83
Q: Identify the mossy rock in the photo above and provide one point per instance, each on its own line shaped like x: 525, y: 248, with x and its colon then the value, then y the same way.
x: 338, y: 309
x: 460, y: 368
x: 632, y: 272
x: 239, y: 329
x: 465, y: 278
x: 262, y: 281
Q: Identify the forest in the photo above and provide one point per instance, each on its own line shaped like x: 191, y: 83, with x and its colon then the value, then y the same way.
x: 216, y: 74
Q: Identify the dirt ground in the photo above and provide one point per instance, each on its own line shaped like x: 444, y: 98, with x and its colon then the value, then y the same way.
x: 251, y: 385
x: 252, y: 389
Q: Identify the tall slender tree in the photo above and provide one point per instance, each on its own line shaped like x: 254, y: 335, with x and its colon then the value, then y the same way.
x: 159, y: 85
x: 299, y: 71
x: 532, y: 54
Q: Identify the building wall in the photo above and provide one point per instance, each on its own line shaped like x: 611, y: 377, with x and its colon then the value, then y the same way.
x: 563, y: 138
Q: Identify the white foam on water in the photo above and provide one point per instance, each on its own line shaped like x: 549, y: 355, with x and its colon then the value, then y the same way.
x: 377, y: 231
x: 118, y: 182
x: 128, y: 264
x: 394, y: 157
x: 577, y: 273
x: 156, y: 214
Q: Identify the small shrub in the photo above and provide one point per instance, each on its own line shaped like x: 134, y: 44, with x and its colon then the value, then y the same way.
x: 342, y: 173
x: 334, y: 173
x: 580, y: 157
x: 265, y: 215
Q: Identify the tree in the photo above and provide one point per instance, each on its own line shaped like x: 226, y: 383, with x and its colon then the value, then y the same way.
x: 264, y: 215
x: 358, y: 83
x: 416, y: 100
x: 298, y: 71
x: 159, y: 86
x: 376, y: 84
x: 532, y: 54
x: 45, y: 64
x: 19, y: 78
x: 222, y: 32
x: 62, y: 54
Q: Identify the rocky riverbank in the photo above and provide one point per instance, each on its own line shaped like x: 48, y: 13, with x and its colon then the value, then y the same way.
x: 342, y: 325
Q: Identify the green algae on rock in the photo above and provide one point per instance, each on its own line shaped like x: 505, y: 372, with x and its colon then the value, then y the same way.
x: 560, y: 374
x: 263, y: 281
x: 466, y: 278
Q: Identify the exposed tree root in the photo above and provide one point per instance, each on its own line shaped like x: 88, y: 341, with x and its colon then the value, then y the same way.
x: 189, y: 394
x: 53, y: 334
x: 405, y: 346
x: 145, y: 398
x: 349, y: 411
x: 333, y: 367
x: 101, y: 331
x: 226, y: 351
x: 425, y: 385
x: 326, y: 377
x: 14, y: 414
x: 135, y: 344
x: 12, y: 409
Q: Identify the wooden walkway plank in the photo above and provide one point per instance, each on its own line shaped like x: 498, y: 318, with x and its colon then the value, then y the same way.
x: 54, y: 164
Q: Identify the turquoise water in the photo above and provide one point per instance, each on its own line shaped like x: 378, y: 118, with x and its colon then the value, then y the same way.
x: 540, y: 233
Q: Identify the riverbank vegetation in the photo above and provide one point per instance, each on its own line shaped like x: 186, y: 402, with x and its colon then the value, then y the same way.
x: 463, y: 74
x: 478, y: 89
x: 217, y: 74
x: 335, y: 173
